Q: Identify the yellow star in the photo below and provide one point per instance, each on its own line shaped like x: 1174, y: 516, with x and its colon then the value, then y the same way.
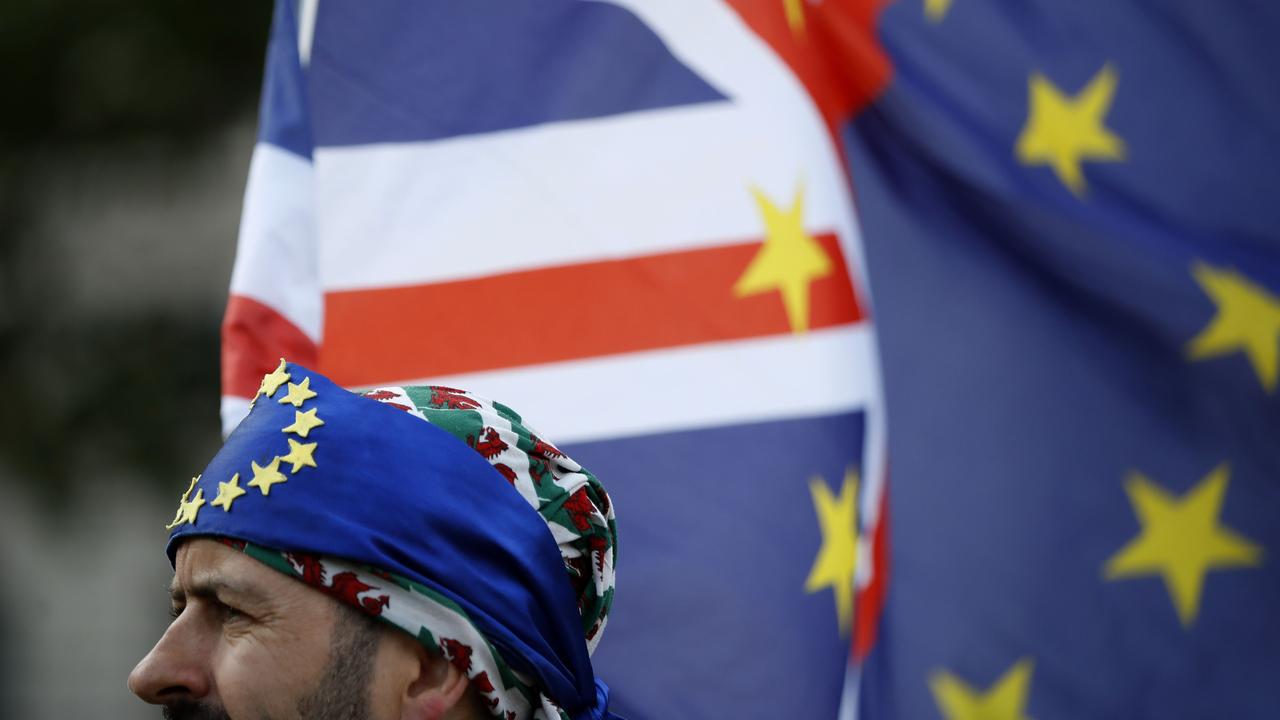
x: 265, y: 477
x: 274, y: 379
x: 1062, y: 131
x: 795, y: 15
x: 187, y: 510
x: 1181, y: 539
x: 228, y: 492
x: 788, y: 260
x: 837, y: 559
x: 191, y: 509
x: 303, y: 422
x: 1248, y: 320
x: 1006, y: 700
x: 298, y: 393
x: 300, y: 454
x: 935, y: 10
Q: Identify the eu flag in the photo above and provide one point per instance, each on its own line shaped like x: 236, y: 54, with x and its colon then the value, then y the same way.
x: 1073, y: 233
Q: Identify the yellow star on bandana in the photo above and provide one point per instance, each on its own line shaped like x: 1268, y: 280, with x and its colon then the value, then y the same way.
x: 298, y: 393
x: 228, y: 492
x: 1062, y: 132
x: 300, y: 454
x: 1248, y: 321
x: 304, y: 422
x: 274, y: 379
x: 1181, y: 539
x: 1006, y: 700
x: 193, y: 508
x: 188, y: 509
x: 837, y: 559
x: 265, y: 477
x: 788, y: 260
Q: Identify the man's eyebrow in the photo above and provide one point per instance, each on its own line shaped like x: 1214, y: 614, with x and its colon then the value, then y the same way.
x: 215, y: 586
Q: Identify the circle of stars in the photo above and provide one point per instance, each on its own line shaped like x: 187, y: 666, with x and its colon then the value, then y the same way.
x: 264, y: 476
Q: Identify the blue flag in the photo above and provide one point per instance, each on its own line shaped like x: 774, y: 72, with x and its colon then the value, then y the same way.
x: 1073, y: 235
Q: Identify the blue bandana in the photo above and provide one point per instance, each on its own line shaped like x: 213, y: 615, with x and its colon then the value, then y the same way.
x: 317, y: 470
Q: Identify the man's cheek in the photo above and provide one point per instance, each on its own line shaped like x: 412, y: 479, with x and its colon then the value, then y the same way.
x: 260, y: 678
x: 250, y: 683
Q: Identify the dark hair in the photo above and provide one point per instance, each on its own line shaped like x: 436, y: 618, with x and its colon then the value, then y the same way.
x: 343, y: 690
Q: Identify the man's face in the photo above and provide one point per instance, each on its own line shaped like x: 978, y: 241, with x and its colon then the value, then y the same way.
x: 249, y: 643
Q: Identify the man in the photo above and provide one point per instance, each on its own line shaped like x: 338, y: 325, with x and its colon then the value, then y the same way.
x: 452, y: 565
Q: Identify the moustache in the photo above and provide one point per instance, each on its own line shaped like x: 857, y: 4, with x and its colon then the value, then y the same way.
x: 188, y: 710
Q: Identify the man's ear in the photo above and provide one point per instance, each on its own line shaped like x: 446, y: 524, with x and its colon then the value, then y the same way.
x: 440, y: 690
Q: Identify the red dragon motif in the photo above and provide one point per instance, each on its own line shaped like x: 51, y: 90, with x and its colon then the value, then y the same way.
x: 484, y: 685
x: 580, y: 508
x: 598, y: 547
x: 346, y: 586
x: 457, y: 653
x: 452, y: 399
x: 580, y: 568
x: 491, y: 446
x: 375, y: 606
x: 538, y: 469
x: 545, y: 449
x: 312, y: 570
x: 506, y: 471
x: 385, y: 397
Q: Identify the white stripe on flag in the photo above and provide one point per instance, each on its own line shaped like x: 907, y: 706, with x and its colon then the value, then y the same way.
x: 233, y: 411
x: 276, y: 254
x: 731, y: 383
x: 642, y: 183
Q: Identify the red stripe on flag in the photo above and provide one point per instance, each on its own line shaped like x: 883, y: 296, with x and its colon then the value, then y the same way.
x: 831, y: 46
x: 833, y: 50
x: 869, y: 603
x: 254, y: 338
x: 564, y: 313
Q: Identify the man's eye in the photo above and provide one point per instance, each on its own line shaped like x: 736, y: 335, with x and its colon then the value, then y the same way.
x: 231, y: 613
x: 174, y: 611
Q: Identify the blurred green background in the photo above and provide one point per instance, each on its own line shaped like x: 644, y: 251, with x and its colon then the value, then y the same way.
x: 123, y: 153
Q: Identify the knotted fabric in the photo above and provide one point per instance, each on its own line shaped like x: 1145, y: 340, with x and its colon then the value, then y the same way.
x: 437, y: 511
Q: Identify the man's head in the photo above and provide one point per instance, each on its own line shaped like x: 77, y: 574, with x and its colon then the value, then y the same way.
x: 485, y: 553
x: 248, y: 642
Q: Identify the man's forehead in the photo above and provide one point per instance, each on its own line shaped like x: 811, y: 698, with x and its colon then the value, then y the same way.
x: 206, y: 567
x: 213, y: 582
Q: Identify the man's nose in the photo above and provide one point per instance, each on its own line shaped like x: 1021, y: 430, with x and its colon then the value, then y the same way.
x: 177, y: 668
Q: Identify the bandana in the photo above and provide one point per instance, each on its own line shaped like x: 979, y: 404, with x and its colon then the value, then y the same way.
x: 460, y: 530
